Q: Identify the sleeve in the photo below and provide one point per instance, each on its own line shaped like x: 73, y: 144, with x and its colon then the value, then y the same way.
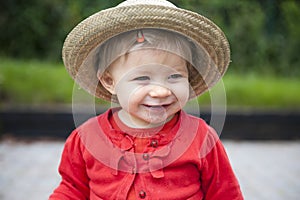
x: 74, y: 184
x: 217, y: 176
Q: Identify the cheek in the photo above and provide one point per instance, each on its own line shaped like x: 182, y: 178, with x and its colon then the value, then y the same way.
x: 130, y: 95
x: 181, y: 91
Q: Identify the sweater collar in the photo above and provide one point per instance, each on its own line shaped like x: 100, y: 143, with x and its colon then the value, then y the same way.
x: 123, y: 136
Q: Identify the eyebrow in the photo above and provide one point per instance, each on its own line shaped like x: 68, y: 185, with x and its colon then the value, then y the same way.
x: 180, y: 68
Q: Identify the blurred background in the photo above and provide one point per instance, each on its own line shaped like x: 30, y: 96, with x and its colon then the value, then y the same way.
x: 261, y: 131
x: 263, y: 34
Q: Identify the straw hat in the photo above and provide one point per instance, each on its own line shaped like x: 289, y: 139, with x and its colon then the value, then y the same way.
x: 142, y: 14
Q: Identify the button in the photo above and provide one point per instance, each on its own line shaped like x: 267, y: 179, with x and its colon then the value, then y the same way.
x: 154, y: 143
x: 146, y: 156
x: 142, y: 194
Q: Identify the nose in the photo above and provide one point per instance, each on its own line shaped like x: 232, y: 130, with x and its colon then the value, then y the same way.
x: 158, y: 91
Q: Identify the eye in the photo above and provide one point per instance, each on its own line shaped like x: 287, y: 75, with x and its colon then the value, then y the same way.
x: 142, y: 78
x: 175, y: 76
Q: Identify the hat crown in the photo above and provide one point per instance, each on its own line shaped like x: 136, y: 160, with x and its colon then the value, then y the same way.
x: 147, y: 2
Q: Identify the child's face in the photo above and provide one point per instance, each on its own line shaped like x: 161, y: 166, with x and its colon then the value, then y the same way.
x: 151, y: 86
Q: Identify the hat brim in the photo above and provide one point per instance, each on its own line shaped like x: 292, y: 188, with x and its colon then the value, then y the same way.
x: 100, y: 27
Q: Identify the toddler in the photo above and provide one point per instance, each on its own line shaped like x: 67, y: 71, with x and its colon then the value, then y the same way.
x: 150, y: 58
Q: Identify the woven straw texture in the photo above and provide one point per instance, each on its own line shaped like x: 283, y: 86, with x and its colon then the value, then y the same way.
x: 105, y: 24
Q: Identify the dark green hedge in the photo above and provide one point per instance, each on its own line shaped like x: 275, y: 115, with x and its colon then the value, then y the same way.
x: 264, y: 34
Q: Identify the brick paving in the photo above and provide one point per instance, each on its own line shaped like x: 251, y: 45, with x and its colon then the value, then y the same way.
x: 266, y: 170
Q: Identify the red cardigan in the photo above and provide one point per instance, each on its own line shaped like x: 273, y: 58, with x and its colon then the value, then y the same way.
x: 187, y: 161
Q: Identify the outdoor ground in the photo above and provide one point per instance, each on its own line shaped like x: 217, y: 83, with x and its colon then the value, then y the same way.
x: 266, y: 170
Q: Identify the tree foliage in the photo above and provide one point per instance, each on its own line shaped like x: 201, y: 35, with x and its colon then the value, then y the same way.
x: 264, y: 34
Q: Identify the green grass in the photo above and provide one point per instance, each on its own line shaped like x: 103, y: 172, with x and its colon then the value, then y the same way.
x: 36, y: 82
x: 252, y: 90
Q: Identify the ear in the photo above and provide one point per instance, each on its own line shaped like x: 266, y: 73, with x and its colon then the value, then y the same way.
x: 107, y: 81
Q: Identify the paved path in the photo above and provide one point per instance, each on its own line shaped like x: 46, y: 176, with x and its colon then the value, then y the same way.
x: 266, y: 170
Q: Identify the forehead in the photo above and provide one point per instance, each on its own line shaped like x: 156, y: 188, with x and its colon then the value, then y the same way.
x: 151, y: 58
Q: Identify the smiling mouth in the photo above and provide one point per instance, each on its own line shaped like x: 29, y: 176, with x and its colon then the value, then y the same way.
x: 157, y: 106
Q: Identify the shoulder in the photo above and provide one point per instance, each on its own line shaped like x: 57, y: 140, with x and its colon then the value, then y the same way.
x: 89, y: 139
x: 95, y: 123
x: 188, y: 118
x: 201, y: 126
x: 205, y: 138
